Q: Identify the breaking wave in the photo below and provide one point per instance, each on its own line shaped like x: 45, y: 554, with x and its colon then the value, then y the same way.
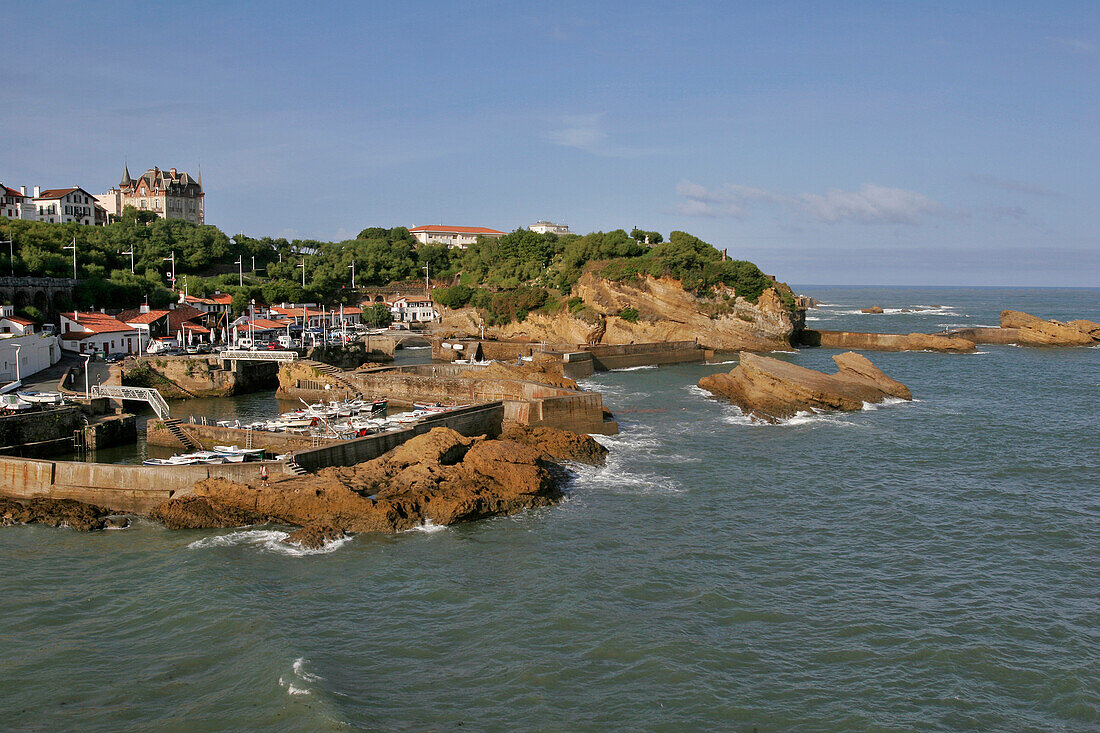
x: 428, y: 526
x: 267, y: 540
x: 301, y: 676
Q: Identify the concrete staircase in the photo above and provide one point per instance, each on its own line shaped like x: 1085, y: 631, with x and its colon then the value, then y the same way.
x: 186, y: 440
x: 295, y: 468
x: 336, y: 375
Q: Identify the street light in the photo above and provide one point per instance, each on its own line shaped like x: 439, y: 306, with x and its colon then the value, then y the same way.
x: 253, y: 263
x: 73, y: 248
x: 87, y: 391
x: 427, y: 290
x: 173, y: 259
x: 11, y: 251
x: 240, y: 270
x: 17, y: 347
x: 302, y: 265
x: 131, y: 253
x: 352, y: 267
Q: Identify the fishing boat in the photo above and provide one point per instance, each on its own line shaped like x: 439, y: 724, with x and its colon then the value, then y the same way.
x: 14, y: 403
x: 42, y: 398
x: 233, y: 454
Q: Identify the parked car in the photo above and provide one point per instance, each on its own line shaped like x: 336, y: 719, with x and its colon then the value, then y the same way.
x: 113, y: 358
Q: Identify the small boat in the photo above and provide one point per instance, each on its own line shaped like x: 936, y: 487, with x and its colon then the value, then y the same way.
x: 233, y: 454
x: 42, y: 398
x: 14, y: 403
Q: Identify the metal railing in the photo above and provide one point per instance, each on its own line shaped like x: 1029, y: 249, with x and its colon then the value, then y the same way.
x: 141, y: 394
x: 265, y: 355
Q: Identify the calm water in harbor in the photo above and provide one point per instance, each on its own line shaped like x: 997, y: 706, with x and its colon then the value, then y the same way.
x: 921, y: 566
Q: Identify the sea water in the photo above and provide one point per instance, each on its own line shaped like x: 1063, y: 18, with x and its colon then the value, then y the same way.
x: 925, y: 565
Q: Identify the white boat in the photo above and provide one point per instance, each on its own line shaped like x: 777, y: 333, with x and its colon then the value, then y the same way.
x: 14, y: 403
x: 42, y: 398
x: 233, y: 454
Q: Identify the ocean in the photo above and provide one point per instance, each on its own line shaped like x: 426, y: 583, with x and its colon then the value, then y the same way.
x: 930, y: 565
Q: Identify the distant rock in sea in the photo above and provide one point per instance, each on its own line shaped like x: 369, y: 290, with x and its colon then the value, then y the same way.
x: 1034, y: 331
x: 875, y: 309
x: 771, y: 389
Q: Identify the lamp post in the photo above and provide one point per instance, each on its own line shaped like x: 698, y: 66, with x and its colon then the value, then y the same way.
x: 253, y: 263
x: 73, y: 248
x: 17, y: 376
x: 240, y: 270
x: 11, y: 251
x: 131, y: 253
x: 173, y: 260
x: 352, y: 268
x: 87, y: 391
x: 302, y: 265
x: 427, y: 290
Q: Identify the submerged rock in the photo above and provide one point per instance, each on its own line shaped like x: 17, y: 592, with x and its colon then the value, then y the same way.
x: 197, y: 512
x: 770, y: 389
x: 1034, y: 331
x: 314, y: 537
x: 53, y: 512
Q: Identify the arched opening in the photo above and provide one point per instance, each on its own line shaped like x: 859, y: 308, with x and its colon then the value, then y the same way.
x: 61, y: 301
x: 41, y: 301
x: 20, y: 300
x: 379, y: 299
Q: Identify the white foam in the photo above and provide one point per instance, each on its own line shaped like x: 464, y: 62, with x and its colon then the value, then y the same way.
x: 299, y: 669
x: 719, y: 363
x: 635, y: 368
x: 269, y: 540
x: 428, y: 526
x: 887, y: 402
x: 735, y: 416
x: 291, y: 689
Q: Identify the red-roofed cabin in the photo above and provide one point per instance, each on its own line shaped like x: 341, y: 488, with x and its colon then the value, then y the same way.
x: 88, y: 333
x: 461, y: 237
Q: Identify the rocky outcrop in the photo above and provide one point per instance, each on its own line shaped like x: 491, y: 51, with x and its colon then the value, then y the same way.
x: 314, y: 537
x: 1034, y: 331
x: 558, y: 445
x: 884, y: 341
x: 53, y: 512
x: 440, y: 477
x: 666, y: 312
x: 874, y: 309
x: 1092, y: 328
x: 770, y: 389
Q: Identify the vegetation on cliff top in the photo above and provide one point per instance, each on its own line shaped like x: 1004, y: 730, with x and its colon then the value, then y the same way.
x: 505, y: 278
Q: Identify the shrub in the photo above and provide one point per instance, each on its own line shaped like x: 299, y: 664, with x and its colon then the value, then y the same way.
x: 628, y: 314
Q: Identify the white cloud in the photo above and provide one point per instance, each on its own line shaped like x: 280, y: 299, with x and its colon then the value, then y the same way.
x: 871, y: 204
x: 1075, y: 45
x: 586, y: 132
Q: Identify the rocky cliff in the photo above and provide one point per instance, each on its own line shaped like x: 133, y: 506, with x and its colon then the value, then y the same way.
x: 770, y: 389
x: 1034, y: 331
x: 664, y: 312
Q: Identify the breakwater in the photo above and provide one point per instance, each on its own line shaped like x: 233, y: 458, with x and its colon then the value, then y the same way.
x: 50, y: 431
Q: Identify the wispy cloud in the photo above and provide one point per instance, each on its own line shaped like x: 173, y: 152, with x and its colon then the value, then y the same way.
x: 587, y: 133
x: 1075, y: 45
x: 1005, y: 184
x: 871, y: 204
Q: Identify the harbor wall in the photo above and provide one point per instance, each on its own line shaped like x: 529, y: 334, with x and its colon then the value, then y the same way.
x: 987, y: 335
x: 526, y: 402
x: 120, y: 488
x: 471, y: 421
x: 624, y: 356
x: 54, y: 430
x: 210, y: 435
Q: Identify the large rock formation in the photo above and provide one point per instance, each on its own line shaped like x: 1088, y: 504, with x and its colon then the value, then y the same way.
x: 53, y: 512
x: 1033, y: 331
x: 666, y: 312
x: 558, y: 445
x: 440, y: 477
x: 884, y: 341
x: 770, y: 389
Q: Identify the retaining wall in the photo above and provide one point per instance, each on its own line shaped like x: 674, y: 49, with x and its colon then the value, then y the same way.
x: 137, y: 489
x: 623, y: 356
x: 210, y: 435
x: 470, y: 421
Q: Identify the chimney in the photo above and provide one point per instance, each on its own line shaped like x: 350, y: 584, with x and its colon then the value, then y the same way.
x: 172, y: 172
x: 103, y: 311
x: 76, y: 316
x: 37, y: 191
x: 144, y: 308
x: 23, y: 190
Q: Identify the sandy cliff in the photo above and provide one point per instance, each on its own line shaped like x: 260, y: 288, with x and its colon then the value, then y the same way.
x: 666, y: 312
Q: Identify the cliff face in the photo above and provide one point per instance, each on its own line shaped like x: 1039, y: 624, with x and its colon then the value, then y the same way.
x: 666, y: 312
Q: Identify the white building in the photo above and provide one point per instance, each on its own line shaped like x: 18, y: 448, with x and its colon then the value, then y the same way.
x: 170, y: 194
x: 13, y: 324
x: 549, y: 227
x: 35, y: 352
x: 88, y: 333
x: 65, y: 205
x: 461, y: 237
x: 413, y: 309
x: 16, y: 204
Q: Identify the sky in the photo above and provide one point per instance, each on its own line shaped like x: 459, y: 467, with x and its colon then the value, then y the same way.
x: 848, y: 143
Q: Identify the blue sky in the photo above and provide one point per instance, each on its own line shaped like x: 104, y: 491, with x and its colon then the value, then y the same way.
x: 880, y: 143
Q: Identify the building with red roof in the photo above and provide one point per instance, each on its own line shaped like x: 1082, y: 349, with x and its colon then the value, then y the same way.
x: 16, y: 204
x: 452, y: 236
x: 65, y: 205
x: 91, y: 332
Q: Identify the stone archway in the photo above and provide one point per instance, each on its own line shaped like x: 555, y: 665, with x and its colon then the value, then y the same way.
x: 20, y: 301
x: 42, y: 301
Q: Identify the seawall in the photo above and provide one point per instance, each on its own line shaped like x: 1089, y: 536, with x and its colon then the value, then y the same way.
x: 862, y: 341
